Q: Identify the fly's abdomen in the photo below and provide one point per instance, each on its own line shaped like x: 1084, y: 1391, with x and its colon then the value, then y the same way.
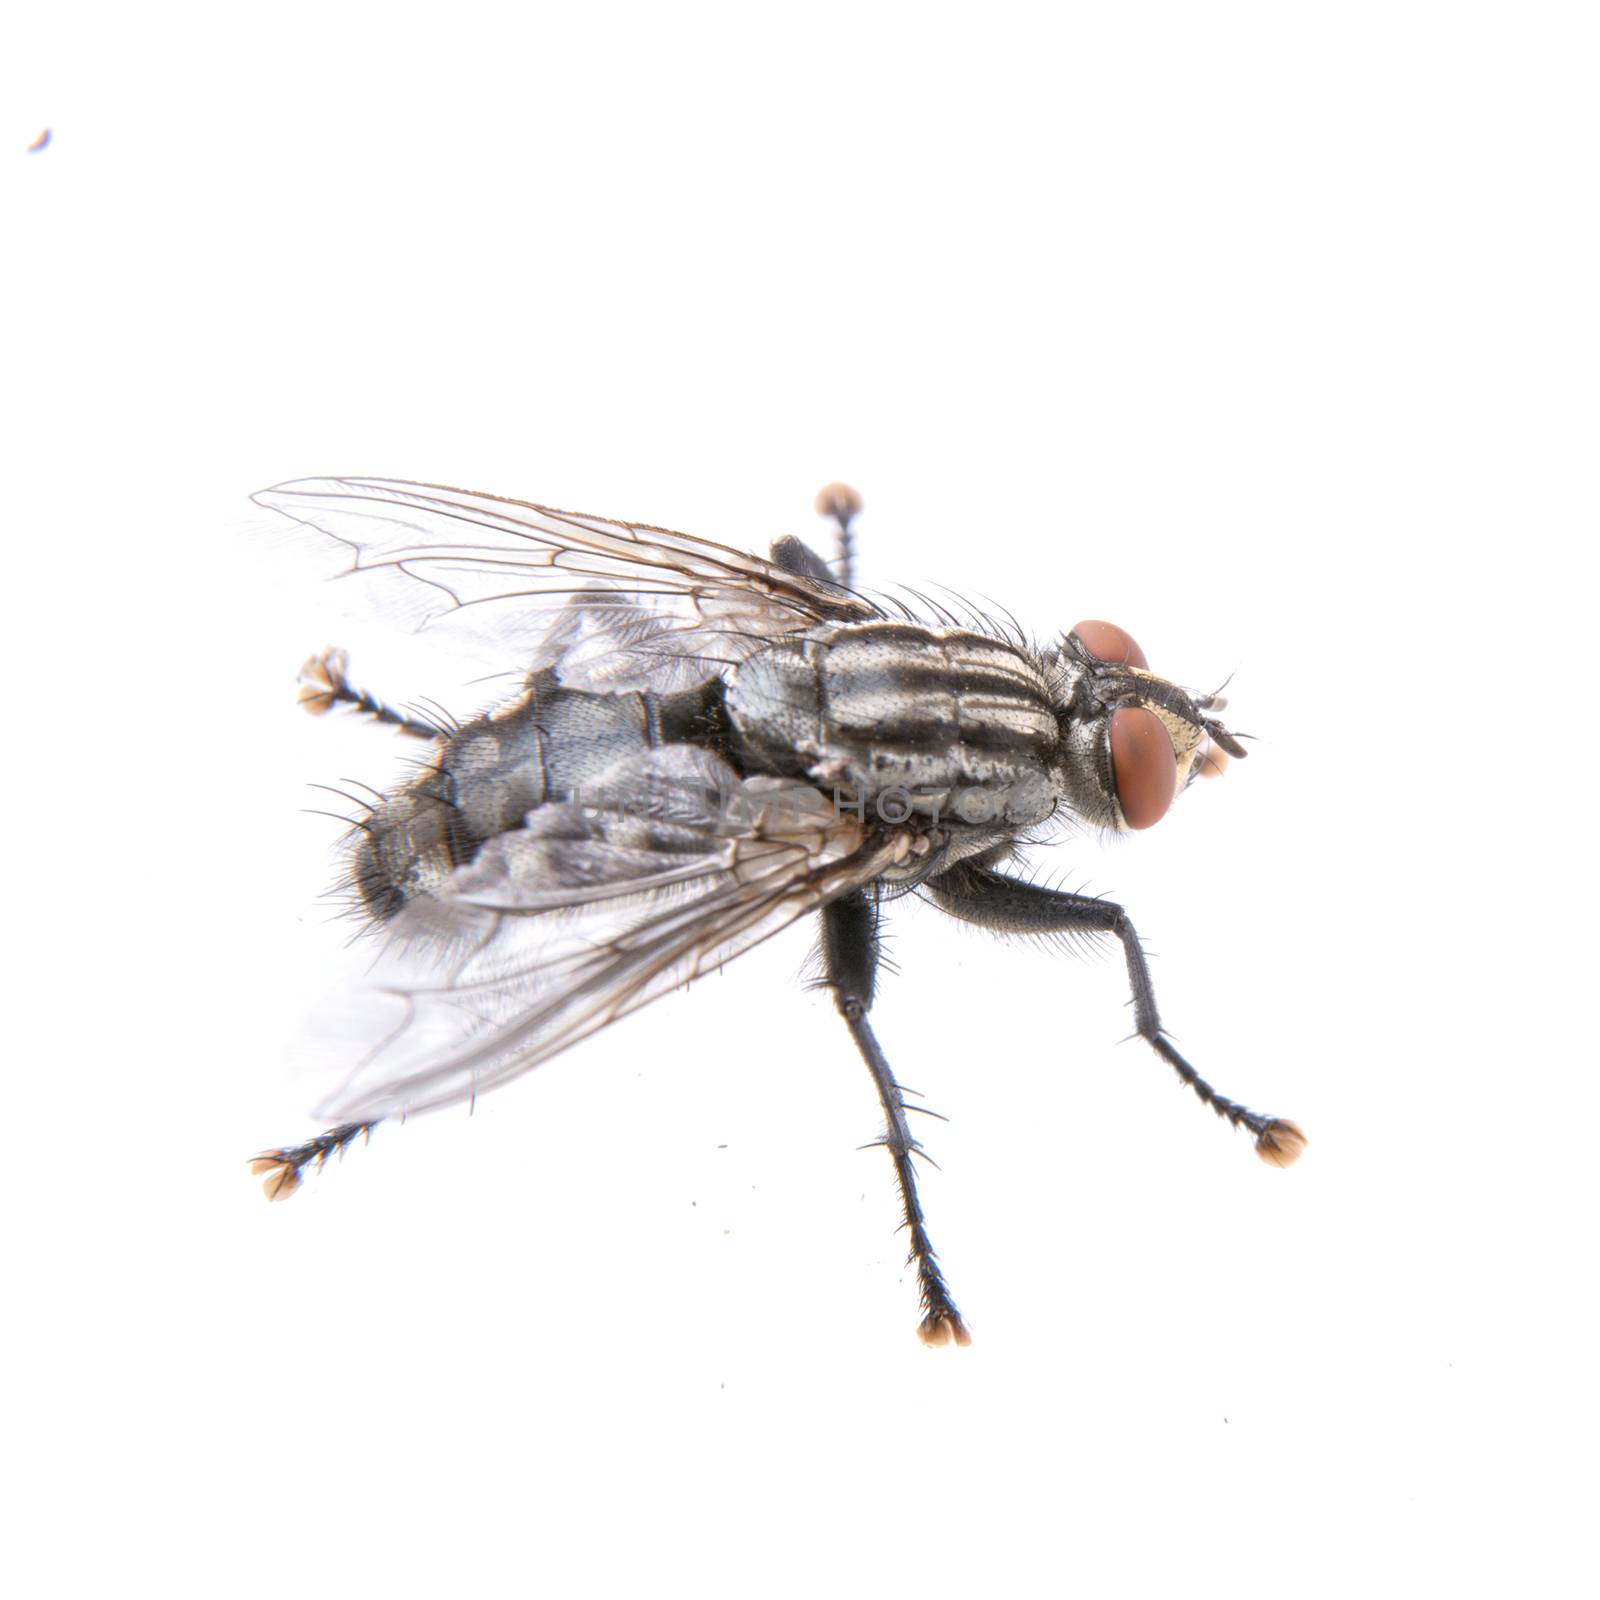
x: 549, y: 746
x: 938, y: 715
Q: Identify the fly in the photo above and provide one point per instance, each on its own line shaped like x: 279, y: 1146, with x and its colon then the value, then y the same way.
x: 704, y: 747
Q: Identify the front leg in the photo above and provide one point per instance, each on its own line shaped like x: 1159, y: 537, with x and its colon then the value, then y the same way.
x: 1010, y: 905
x: 850, y: 959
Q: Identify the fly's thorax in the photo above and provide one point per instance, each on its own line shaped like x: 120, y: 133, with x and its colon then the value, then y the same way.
x: 955, y: 725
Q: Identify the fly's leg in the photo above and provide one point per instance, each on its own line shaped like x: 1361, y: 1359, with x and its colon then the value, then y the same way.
x: 795, y: 555
x: 850, y: 959
x: 324, y: 684
x: 843, y: 504
x: 1008, y: 905
x: 281, y: 1170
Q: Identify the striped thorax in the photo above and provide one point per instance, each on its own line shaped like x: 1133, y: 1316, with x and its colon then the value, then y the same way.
x: 953, y: 726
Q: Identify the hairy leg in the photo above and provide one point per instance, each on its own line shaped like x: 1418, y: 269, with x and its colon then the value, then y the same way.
x: 1009, y: 905
x: 850, y: 958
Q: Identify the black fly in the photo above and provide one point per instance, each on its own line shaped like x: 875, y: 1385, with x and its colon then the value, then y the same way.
x: 704, y: 747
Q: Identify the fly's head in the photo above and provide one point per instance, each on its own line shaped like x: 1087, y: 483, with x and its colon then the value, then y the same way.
x: 1130, y: 740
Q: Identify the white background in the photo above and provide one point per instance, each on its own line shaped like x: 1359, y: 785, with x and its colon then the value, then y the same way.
x: 1269, y: 332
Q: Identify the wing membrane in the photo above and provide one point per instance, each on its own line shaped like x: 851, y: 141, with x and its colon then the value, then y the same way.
x: 611, y: 605
x: 676, y: 867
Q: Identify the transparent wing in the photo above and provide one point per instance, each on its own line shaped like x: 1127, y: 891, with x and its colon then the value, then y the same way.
x: 675, y: 867
x: 610, y: 605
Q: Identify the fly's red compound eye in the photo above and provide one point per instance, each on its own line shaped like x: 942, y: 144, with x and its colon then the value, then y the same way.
x: 1144, y: 765
x: 1105, y: 641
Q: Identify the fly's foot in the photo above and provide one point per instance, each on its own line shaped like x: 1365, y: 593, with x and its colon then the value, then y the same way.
x: 943, y: 1326
x: 280, y: 1177
x: 839, y: 501
x: 1279, y: 1143
x: 323, y: 683
x: 282, y: 1171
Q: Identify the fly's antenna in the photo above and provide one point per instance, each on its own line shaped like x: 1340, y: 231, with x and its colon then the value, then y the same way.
x: 324, y: 684
x: 1171, y: 698
x: 843, y: 504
